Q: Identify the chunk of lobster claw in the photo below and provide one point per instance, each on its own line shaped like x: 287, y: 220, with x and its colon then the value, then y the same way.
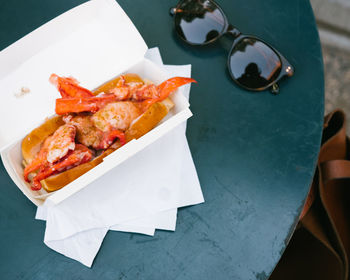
x: 38, y: 161
x: 68, y: 87
x: 166, y: 88
x: 170, y: 85
x: 53, y: 149
x: 80, y: 155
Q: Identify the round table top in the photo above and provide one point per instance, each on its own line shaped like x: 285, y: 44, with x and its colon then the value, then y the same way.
x: 255, y: 154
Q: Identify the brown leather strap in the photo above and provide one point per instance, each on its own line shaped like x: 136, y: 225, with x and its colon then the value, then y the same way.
x: 324, y: 219
x: 335, y: 169
x: 333, y: 147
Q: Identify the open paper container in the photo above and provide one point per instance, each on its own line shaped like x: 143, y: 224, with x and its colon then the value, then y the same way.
x: 93, y: 42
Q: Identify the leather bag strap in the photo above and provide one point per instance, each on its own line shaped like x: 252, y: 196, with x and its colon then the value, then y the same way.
x: 335, y: 169
x: 324, y: 217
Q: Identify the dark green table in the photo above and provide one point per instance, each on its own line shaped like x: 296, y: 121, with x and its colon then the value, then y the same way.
x: 255, y: 154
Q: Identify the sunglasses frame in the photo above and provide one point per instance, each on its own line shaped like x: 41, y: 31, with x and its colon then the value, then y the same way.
x: 286, y: 68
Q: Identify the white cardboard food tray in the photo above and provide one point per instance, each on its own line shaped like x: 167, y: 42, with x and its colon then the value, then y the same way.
x: 93, y: 42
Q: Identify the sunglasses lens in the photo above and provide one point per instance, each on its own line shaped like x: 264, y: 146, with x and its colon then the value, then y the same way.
x: 253, y: 64
x: 199, y: 21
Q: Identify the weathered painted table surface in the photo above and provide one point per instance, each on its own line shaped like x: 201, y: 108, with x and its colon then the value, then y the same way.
x: 255, y: 154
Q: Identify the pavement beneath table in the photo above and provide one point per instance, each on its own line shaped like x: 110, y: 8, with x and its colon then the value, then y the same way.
x: 333, y: 19
x: 337, y: 80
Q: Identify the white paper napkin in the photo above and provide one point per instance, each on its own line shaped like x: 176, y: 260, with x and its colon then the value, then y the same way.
x: 140, y: 195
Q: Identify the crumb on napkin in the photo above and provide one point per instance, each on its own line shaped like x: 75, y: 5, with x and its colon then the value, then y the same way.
x: 22, y: 92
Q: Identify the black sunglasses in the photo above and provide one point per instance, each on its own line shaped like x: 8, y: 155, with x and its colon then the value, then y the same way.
x: 253, y: 64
